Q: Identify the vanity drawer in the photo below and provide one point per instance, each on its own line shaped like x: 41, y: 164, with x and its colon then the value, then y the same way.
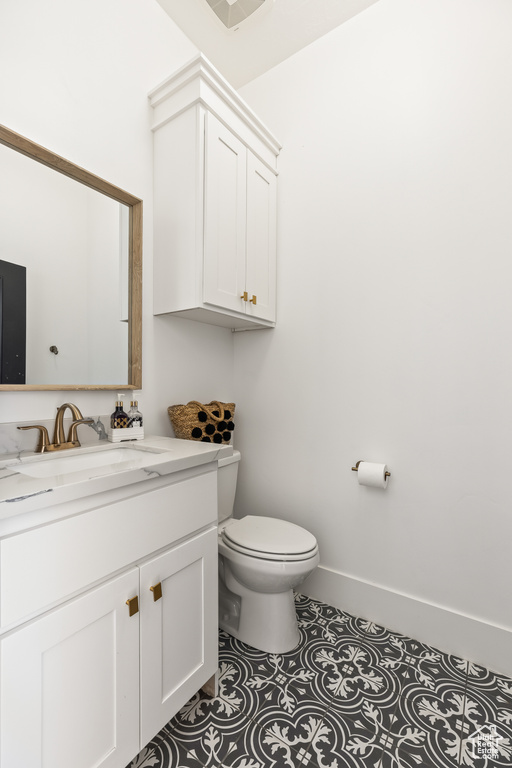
x: 43, y: 566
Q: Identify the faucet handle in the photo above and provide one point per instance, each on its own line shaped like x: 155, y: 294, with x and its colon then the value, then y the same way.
x: 73, y: 436
x: 44, y: 440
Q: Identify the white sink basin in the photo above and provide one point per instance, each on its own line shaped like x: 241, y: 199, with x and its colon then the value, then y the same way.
x: 118, y: 457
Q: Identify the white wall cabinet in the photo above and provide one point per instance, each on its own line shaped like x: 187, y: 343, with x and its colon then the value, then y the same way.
x: 83, y: 682
x: 215, y: 203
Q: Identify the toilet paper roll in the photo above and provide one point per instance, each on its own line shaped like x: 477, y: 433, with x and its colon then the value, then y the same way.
x: 372, y: 474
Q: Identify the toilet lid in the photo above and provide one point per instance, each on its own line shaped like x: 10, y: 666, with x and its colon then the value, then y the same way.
x: 268, y: 535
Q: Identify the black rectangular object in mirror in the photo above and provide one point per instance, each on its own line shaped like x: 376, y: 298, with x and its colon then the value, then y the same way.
x: 13, y: 322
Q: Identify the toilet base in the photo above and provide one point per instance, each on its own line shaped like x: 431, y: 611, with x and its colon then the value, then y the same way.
x: 266, y: 621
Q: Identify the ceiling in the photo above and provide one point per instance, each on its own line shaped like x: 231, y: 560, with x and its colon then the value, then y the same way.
x: 277, y: 30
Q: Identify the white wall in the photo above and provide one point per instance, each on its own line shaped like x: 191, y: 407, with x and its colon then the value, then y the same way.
x: 392, y: 341
x: 75, y: 79
x: 394, y: 317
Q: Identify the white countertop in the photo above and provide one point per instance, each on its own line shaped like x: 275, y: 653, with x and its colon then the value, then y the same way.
x: 21, y: 493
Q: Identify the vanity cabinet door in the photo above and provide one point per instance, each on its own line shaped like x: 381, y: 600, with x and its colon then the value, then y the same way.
x: 69, y: 691
x: 178, y: 592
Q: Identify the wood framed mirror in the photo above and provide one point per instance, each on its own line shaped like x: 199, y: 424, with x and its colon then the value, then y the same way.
x: 71, y: 262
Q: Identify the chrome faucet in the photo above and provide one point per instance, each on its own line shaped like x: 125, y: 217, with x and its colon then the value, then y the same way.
x: 59, y: 441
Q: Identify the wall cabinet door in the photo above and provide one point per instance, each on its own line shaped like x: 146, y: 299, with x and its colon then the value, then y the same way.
x: 239, y: 226
x: 224, y: 217
x: 178, y: 592
x: 70, y: 684
x: 261, y: 240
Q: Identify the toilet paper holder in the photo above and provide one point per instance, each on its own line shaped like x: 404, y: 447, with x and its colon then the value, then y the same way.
x: 354, y: 469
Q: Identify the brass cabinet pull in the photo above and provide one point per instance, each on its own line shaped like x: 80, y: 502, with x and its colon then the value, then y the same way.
x: 157, y: 591
x: 245, y: 296
x: 133, y: 605
x: 253, y: 300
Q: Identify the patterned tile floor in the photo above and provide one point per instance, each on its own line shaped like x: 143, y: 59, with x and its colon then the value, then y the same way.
x: 351, y: 695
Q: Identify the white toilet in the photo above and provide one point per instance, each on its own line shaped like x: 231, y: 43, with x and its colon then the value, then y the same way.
x: 261, y: 561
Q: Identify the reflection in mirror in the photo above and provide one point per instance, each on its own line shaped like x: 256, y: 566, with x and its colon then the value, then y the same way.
x: 77, y: 241
x: 69, y: 239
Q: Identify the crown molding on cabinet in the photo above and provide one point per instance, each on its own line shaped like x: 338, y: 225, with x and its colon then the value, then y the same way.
x: 199, y: 82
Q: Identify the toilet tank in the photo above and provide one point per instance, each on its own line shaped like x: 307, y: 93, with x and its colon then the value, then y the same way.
x: 226, y: 484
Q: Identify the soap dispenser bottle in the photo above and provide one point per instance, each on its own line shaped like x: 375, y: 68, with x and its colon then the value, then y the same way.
x: 119, y: 419
x: 134, y: 415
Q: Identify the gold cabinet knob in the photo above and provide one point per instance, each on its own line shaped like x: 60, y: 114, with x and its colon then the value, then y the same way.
x: 157, y: 591
x: 133, y: 605
x: 245, y: 296
x: 253, y: 300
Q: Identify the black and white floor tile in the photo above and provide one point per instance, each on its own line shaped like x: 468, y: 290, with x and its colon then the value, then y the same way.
x: 352, y: 694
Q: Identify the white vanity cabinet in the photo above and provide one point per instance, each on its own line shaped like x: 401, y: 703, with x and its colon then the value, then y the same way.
x: 215, y: 172
x: 108, y: 622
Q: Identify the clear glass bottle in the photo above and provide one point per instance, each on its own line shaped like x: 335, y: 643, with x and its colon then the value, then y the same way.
x: 134, y: 415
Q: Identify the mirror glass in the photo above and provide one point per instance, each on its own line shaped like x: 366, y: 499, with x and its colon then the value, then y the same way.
x: 70, y: 275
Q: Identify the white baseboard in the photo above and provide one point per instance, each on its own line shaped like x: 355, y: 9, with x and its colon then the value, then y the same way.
x: 465, y: 636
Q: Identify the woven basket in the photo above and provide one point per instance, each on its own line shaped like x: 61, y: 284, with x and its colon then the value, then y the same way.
x: 208, y: 423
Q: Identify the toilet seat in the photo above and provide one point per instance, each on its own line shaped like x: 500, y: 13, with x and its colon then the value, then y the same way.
x: 268, y: 538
